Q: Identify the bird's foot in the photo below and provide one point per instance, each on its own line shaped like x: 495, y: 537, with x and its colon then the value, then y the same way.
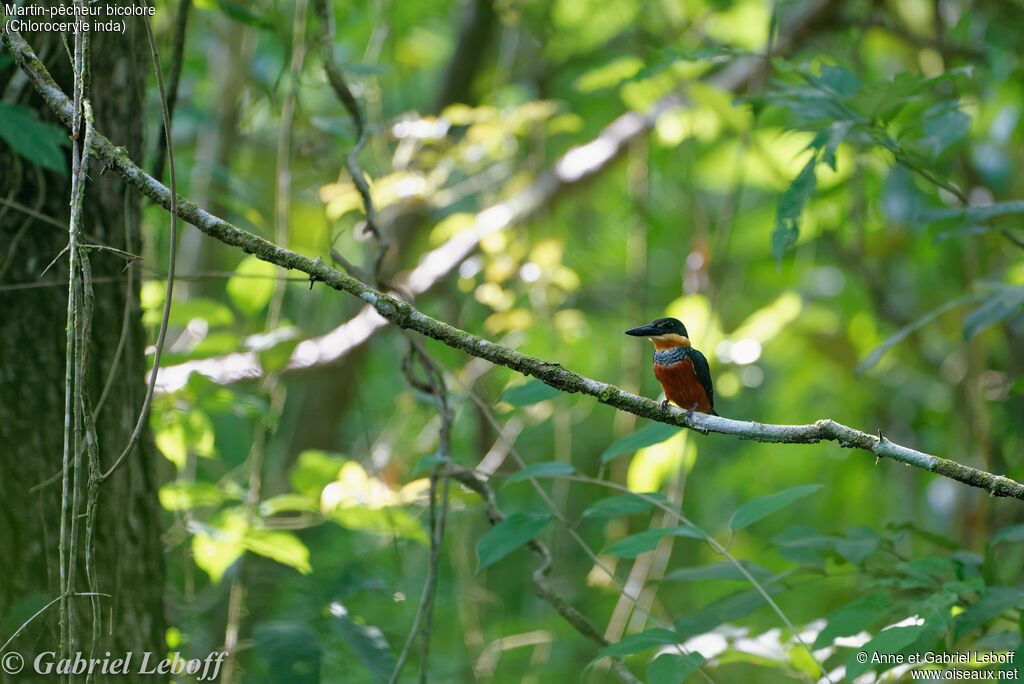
x: 664, y: 405
x: 689, y: 418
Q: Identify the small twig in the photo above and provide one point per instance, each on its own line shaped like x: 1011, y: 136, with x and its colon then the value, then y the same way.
x: 435, y: 386
x: 162, y: 335
x: 340, y: 86
x: 40, y: 612
x: 174, y: 77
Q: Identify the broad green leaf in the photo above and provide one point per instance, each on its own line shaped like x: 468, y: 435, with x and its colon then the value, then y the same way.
x: 623, y: 504
x: 859, y: 543
x: 215, y: 553
x: 367, y: 642
x: 653, y: 433
x: 854, y: 617
x: 182, y: 495
x: 716, y: 613
x: 669, y: 668
x: 762, y: 506
x: 548, y: 469
x: 507, y: 536
x: 944, y: 130
x: 383, y: 522
x: 252, y: 285
x: 1013, y: 533
x: 791, y: 205
x: 288, y: 502
x: 38, y: 142
x: 284, y: 547
x: 428, y: 463
x: 889, y: 642
x: 532, y: 392
x: 840, y: 80
x: 996, y: 601
x: 313, y: 470
x: 723, y: 570
x: 999, y: 306
x: 641, y: 542
x: 638, y: 643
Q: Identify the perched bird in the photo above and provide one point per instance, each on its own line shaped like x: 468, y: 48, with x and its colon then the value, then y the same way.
x: 682, y: 370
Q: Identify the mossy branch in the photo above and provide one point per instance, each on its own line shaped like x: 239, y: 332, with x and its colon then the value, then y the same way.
x: 404, y: 315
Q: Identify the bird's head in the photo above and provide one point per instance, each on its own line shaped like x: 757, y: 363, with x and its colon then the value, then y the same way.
x: 665, y: 333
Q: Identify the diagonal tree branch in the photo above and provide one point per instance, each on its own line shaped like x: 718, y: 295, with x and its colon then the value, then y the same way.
x: 405, y: 316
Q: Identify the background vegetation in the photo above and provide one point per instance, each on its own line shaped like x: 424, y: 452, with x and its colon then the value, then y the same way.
x: 838, y: 229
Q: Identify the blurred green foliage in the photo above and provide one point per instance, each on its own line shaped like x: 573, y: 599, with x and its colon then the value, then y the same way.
x: 842, y: 239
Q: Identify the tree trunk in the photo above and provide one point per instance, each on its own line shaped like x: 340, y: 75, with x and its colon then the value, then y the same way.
x: 129, y: 555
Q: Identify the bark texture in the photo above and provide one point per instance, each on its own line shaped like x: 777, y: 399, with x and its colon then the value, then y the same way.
x: 129, y: 557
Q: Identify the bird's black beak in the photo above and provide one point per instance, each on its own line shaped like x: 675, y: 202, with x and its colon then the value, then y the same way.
x: 644, y: 331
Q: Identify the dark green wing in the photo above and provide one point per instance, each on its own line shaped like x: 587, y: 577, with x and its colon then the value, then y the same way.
x: 703, y: 372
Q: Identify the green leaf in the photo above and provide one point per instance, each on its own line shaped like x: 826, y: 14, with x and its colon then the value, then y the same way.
x: 531, y: 393
x: 314, y: 470
x: 791, y: 205
x: 507, y: 536
x: 252, y: 285
x: 283, y: 547
x: 723, y: 570
x: 731, y: 607
x: 859, y: 543
x: 547, y: 469
x: 383, y: 522
x: 840, y: 80
x: 38, y: 142
x: 1013, y: 533
x: 182, y: 495
x: 878, y: 352
x: 854, y: 617
x: 996, y: 308
x: 638, y: 643
x: 670, y: 668
x: 945, y: 129
x: 367, y: 642
x: 288, y: 502
x: 889, y: 642
x: 762, y: 506
x: 641, y: 542
x: 623, y: 504
x: 653, y: 433
x: 996, y: 601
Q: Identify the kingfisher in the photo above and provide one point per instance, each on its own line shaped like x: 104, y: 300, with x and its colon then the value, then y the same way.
x: 682, y: 370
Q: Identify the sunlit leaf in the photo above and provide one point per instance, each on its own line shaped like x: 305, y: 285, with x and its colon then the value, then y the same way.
x: 252, y: 285
x: 762, y: 506
x: 507, y: 536
x: 182, y: 495
x: 653, y: 433
x: 284, y: 547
